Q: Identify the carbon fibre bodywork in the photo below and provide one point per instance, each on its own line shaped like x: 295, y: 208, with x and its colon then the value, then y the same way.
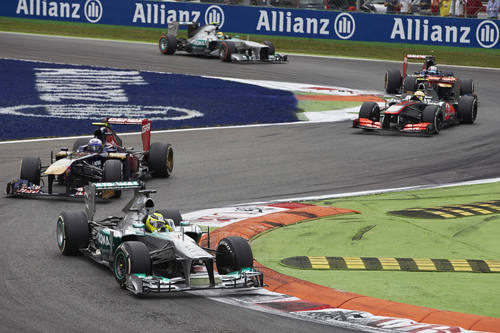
x: 73, y: 169
x: 411, y: 115
x: 207, y: 40
x: 173, y: 259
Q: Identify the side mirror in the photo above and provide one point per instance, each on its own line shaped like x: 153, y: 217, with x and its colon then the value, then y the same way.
x: 185, y: 223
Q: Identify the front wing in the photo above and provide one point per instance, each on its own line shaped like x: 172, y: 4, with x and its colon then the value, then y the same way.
x: 24, y: 188
x: 369, y: 124
x: 143, y: 284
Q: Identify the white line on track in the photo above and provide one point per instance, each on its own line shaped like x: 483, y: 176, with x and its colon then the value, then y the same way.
x: 173, y: 131
x: 363, y: 193
x: 294, y: 54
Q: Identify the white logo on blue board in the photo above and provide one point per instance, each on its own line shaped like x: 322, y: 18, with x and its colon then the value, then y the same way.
x: 93, y: 10
x: 344, y: 26
x: 214, y: 15
x: 487, y: 34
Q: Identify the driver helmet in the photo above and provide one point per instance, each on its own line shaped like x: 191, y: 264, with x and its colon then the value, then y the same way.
x: 433, y: 70
x: 156, y: 222
x: 220, y: 35
x: 419, y: 95
x: 95, y: 145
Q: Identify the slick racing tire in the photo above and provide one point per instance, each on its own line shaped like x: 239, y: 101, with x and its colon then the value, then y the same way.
x: 173, y: 214
x: 113, y: 172
x: 72, y: 232
x: 467, y: 110
x: 432, y: 114
x: 370, y: 110
x: 161, y: 159
x: 392, y: 81
x: 225, y: 51
x: 31, y: 169
x: 265, y: 53
x: 167, y: 44
x: 466, y: 87
x: 233, y: 254
x: 409, y: 84
x: 131, y: 257
x: 80, y: 142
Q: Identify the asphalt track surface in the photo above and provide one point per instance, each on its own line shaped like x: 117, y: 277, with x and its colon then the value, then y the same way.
x: 46, y: 292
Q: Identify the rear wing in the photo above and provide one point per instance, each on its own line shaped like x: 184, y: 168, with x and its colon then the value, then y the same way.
x: 92, y: 189
x: 145, y: 128
x: 173, y: 28
x: 424, y: 57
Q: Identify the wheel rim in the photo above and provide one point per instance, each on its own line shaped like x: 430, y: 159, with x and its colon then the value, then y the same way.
x: 120, y: 266
x: 221, y: 53
x: 163, y: 44
x: 170, y: 160
x: 386, y: 80
x: 60, y: 234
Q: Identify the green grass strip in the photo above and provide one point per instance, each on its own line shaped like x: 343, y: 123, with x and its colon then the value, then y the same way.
x: 373, y: 50
x: 389, y: 236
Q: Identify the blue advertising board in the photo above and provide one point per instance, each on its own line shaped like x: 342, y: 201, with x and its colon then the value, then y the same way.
x: 426, y: 30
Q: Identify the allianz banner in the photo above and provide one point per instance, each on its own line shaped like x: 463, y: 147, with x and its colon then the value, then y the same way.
x: 267, y: 21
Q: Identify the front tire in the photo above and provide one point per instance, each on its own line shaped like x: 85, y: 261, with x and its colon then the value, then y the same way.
x: 467, y: 110
x: 225, y: 51
x: 72, y: 232
x: 173, y: 214
x: 161, y: 159
x: 233, y: 254
x: 167, y: 44
x: 131, y: 257
x: 392, y: 81
x: 432, y: 114
x: 31, y: 169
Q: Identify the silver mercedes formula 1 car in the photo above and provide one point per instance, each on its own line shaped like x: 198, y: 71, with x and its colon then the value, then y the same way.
x: 167, y: 259
x: 207, y: 40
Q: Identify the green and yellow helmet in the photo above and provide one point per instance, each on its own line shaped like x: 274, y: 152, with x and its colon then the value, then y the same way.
x: 156, y: 222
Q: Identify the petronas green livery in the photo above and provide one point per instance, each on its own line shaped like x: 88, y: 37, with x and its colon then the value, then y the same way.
x: 145, y: 260
x: 208, y: 40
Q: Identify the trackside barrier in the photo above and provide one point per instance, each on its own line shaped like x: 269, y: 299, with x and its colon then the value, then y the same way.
x: 321, y: 295
x: 457, y: 32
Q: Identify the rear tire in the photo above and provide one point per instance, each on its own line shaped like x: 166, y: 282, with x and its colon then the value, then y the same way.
x: 466, y: 87
x: 225, y: 51
x: 72, y: 232
x: 393, y: 81
x: 432, y: 114
x: 130, y: 258
x: 161, y: 159
x: 467, y: 110
x: 233, y: 254
x: 113, y: 172
x: 31, y: 169
x: 167, y: 44
x: 409, y: 84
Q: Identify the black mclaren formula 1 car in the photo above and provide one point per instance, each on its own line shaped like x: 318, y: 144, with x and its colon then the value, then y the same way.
x: 73, y: 169
x: 209, y: 41
x: 416, y: 114
x: 446, y: 85
x: 166, y: 259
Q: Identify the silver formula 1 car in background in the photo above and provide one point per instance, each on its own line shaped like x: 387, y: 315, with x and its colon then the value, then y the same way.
x: 208, y: 40
x: 166, y: 257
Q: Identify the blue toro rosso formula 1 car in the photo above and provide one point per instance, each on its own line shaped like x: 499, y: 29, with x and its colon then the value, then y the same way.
x: 101, y: 159
x: 154, y: 251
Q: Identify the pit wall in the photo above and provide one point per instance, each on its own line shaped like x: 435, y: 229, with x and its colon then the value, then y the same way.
x: 423, y: 30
